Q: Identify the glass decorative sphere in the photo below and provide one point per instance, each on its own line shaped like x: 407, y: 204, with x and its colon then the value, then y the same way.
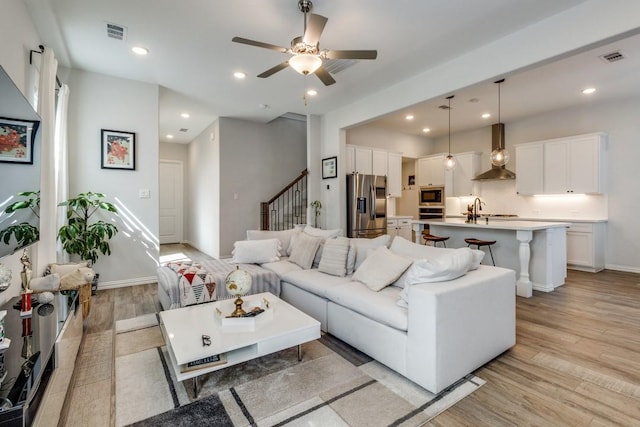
x: 449, y: 162
x: 238, y: 282
x: 499, y: 157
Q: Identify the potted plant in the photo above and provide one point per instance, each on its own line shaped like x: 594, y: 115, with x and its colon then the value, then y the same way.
x: 316, y: 205
x: 24, y: 232
x: 81, y: 236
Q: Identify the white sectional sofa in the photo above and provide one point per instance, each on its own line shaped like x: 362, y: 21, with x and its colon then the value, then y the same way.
x: 445, y: 330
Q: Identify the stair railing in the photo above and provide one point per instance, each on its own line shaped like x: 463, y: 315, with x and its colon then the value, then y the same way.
x: 288, y: 207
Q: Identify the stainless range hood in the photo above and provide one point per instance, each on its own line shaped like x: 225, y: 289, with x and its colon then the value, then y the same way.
x: 496, y: 172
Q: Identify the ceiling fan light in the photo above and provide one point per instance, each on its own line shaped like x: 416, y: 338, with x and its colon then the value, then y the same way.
x: 499, y: 157
x: 305, y: 63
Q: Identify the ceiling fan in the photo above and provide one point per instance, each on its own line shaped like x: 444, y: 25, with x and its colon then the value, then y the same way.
x: 307, y: 57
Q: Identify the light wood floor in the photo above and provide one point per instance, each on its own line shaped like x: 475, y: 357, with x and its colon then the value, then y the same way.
x: 576, y: 361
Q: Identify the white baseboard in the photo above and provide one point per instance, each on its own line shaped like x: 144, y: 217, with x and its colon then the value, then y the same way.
x: 625, y: 268
x: 127, y: 282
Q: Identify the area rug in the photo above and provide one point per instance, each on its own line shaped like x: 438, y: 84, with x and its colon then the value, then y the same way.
x: 333, y: 385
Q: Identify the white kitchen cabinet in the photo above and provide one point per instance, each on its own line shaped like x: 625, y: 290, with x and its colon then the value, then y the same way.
x: 529, y: 169
x: 399, y: 227
x: 394, y: 174
x: 379, y: 162
x: 363, y: 158
x: 350, y: 160
x: 467, y: 167
x: 430, y: 170
x: 585, y: 246
x: 574, y: 164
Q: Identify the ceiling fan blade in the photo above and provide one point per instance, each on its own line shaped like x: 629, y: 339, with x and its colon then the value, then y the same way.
x: 274, y: 70
x: 351, y: 54
x: 324, y: 76
x: 260, y: 44
x: 314, y: 29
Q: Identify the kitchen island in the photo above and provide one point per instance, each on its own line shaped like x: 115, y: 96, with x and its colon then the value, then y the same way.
x: 536, y: 250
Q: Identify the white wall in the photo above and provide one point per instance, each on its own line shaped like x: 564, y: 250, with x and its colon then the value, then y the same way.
x: 17, y: 36
x: 375, y: 137
x: 259, y: 160
x: 100, y: 102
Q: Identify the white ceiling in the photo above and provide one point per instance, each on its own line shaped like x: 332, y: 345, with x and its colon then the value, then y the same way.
x: 192, y: 57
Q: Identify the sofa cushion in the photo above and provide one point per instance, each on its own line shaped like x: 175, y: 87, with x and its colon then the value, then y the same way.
x: 381, y: 268
x: 281, y: 267
x: 256, y: 251
x: 439, y: 269
x: 318, y: 232
x: 404, y: 247
x: 283, y: 235
x: 304, y: 249
x: 379, y: 306
x: 314, y: 281
x: 358, y: 250
x: 334, y: 256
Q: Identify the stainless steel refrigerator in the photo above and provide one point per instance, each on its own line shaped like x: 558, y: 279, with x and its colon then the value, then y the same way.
x: 366, y: 205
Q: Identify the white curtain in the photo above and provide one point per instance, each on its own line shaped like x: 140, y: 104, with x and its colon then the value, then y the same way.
x: 61, y: 166
x: 46, y: 110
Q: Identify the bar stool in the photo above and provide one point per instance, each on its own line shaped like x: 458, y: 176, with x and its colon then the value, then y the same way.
x: 433, y: 239
x: 478, y: 243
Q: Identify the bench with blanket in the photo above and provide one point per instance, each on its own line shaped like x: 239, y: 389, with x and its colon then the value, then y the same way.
x: 208, y: 277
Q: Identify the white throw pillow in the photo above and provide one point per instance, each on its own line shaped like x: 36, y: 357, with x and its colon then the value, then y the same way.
x: 283, y: 235
x: 358, y: 250
x: 304, y: 250
x: 63, y: 269
x: 438, y: 269
x: 318, y: 232
x: 256, y: 251
x: 334, y: 256
x: 381, y: 268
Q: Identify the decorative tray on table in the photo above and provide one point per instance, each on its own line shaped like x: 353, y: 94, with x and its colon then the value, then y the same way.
x: 259, y: 311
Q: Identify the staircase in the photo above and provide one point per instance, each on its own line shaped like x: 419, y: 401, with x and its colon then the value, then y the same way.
x: 287, y: 208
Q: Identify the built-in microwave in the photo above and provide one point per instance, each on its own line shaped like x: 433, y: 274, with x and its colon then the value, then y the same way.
x: 431, y: 196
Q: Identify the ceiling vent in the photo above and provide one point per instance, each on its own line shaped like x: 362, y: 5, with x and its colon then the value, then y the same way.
x: 184, y: 130
x: 115, y: 31
x: 612, y: 56
x: 334, y: 66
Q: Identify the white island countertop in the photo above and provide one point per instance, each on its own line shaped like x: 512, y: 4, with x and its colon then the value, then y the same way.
x: 494, y: 224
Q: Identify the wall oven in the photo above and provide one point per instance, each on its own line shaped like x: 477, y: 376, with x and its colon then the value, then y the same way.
x: 431, y: 196
x: 433, y: 212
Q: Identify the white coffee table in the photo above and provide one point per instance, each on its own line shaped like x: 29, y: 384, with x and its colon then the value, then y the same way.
x: 183, y: 329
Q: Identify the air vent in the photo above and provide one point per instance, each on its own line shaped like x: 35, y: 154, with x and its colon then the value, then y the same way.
x: 334, y: 66
x: 444, y: 107
x: 612, y: 56
x: 184, y: 130
x: 116, y: 31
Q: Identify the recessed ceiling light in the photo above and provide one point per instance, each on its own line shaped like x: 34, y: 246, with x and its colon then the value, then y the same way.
x: 185, y: 115
x: 426, y: 130
x: 589, y: 90
x: 486, y: 115
x: 169, y: 136
x: 409, y: 117
x: 312, y: 92
x: 239, y: 75
x: 139, y: 50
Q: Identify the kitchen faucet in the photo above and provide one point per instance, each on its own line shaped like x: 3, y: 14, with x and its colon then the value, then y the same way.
x: 477, y: 206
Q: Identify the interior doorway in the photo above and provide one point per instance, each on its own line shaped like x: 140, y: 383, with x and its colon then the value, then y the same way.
x: 171, y: 201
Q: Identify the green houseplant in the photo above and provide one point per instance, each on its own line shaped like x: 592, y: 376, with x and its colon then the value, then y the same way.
x: 80, y: 236
x: 24, y: 232
x: 316, y: 205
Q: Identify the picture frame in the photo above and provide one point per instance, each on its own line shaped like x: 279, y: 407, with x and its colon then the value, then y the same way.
x: 330, y: 167
x: 118, y: 149
x: 17, y: 137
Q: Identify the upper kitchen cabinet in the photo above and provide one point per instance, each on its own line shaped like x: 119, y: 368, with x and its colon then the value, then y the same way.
x: 467, y: 167
x: 430, y: 170
x: 529, y: 168
x: 574, y: 164
x: 374, y: 161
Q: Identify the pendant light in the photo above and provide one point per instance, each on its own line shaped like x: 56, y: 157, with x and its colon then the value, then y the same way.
x: 449, y: 161
x: 499, y: 156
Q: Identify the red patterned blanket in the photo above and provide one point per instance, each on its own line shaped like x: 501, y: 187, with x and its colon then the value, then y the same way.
x: 196, y: 284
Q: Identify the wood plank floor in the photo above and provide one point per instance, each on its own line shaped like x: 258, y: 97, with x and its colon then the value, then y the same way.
x: 576, y: 361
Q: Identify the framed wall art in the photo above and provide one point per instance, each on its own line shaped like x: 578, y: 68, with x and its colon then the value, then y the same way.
x: 16, y: 140
x: 118, y: 150
x: 330, y: 167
